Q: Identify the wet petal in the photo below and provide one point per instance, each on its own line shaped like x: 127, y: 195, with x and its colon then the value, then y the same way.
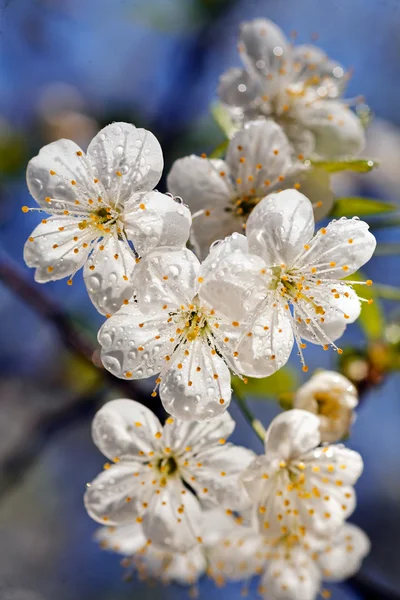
x: 125, y: 429
x: 200, y: 389
x: 154, y: 220
x: 202, y: 183
x: 239, y: 555
x: 279, y: 226
x: 297, y: 579
x: 115, y: 496
x: 259, y: 155
x: 125, y: 160
x: 340, y: 249
x: 238, y: 88
x: 133, y: 345
x: 59, y: 175
x: 315, y: 184
x: 167, y: 279
x: 55, y: 248
x: 291, y: 434
x: 108, y: 275
x: 313, y: 66
x: 180, y: 435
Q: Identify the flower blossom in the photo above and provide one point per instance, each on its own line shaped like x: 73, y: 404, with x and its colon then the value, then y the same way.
x: 157, y: 470
x: 299, y: 87
x: 222, y: 193
x: 165, y: 565
x: 104, y: 212
x: 184, y: 328
x: 292, y: 567
x: 295, y: 292
x: 298, y: 487
x: 333, y: 398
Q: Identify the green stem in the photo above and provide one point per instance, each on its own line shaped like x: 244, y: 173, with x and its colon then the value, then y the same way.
x: 256, y: 425
x: 387, y: 292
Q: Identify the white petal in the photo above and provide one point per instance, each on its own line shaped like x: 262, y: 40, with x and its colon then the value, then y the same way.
x: 301, y: 139
x: 108, y: 275
x: 61, y: 158
x: 291, y: 434
x: 154, y: 220
x: 125, y: 429
x: 238, y: 555
x: 212, y: 225
x: 267, y: 156
x: 51, y: 262
x: 315, y: 184
x: 313, y: 66
x: 279, y: 226
x: 115, y: 496
x: 130, y: 350
x: 297, y: 579
x: 202, y: 183
x: 217, y: 524
x: 206, y: 396
x: 252, y: 478
x: 337, y: 463
x: 270, y: 344
x: 342, y: 557
x: 231, y: 276
x: 185, y: 568
x: 173, y: 520
x: 347, y: 243
x: 238, y: 88
x: 337, y: 130
x: 217, y: 470
x: 126, y: 539
x: 126, y: 160
x: 167, y: 277
x: 265, y: 51
x: 179, y: 435
x: 339, y: 312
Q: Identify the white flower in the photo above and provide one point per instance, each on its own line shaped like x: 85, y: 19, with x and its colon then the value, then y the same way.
x: 298, y: 487
x: 104, y: 212
x: 168, y: 566
x: 222, y: 193
x: 300, y: 88
x: 333, y: 398
x: 292, y: 568
x: 186, y: 324
x: 295, y: 293
x: 157, y: 470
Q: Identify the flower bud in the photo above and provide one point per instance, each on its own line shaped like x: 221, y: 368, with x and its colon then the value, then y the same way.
x: 332, y: 397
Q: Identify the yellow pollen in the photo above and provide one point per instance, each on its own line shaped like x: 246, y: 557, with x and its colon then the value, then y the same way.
x: 142, y: 206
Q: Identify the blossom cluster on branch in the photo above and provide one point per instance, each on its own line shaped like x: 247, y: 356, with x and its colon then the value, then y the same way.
x: 223, y: 275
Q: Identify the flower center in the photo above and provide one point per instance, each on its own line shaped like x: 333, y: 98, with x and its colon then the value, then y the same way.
x: 328, y: 404
x: 167, y: 465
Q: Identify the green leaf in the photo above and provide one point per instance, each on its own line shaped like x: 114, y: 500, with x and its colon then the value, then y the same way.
x: 283, y: 381
x: 220, y: 150
x: 223, y: 119
x: 355, y: 205
x: 360, y: 165
x: 371, y: 319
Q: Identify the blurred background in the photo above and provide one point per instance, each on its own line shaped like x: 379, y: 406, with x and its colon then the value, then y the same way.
x: 67, y: 68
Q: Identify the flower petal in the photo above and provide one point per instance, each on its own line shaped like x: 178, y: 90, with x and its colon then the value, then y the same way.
x: 213, y: 225
x: 291, y: 434
x: 315, y: 184
x: 214, y: 475
x: 185, y: 568
x: 125, y: 160
x: 156, y: 220
x: 50, y: 175
x: 258, y: 156
x: 115, y: 496
x: 238, y: 88
x: 126, y: 539
x: 53, y: 246
x: 297, y: 579
x: 340, y: 249
x: 239, y: 555
x: 179, y: 435
x: 342, y: 557
x: 125, y: 429
x: 173, y: 519
x: 133, y: 345
x: 337, y: 130
x: 108, y: 275
x: 265, y: 50
x: 201, y: 389
x: 279, y: 226
x: 313, y: 66
x: 166, y: 279
x: 202, y: 183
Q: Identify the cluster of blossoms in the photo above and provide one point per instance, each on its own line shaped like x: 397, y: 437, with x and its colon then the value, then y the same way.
x: 178, y: 500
